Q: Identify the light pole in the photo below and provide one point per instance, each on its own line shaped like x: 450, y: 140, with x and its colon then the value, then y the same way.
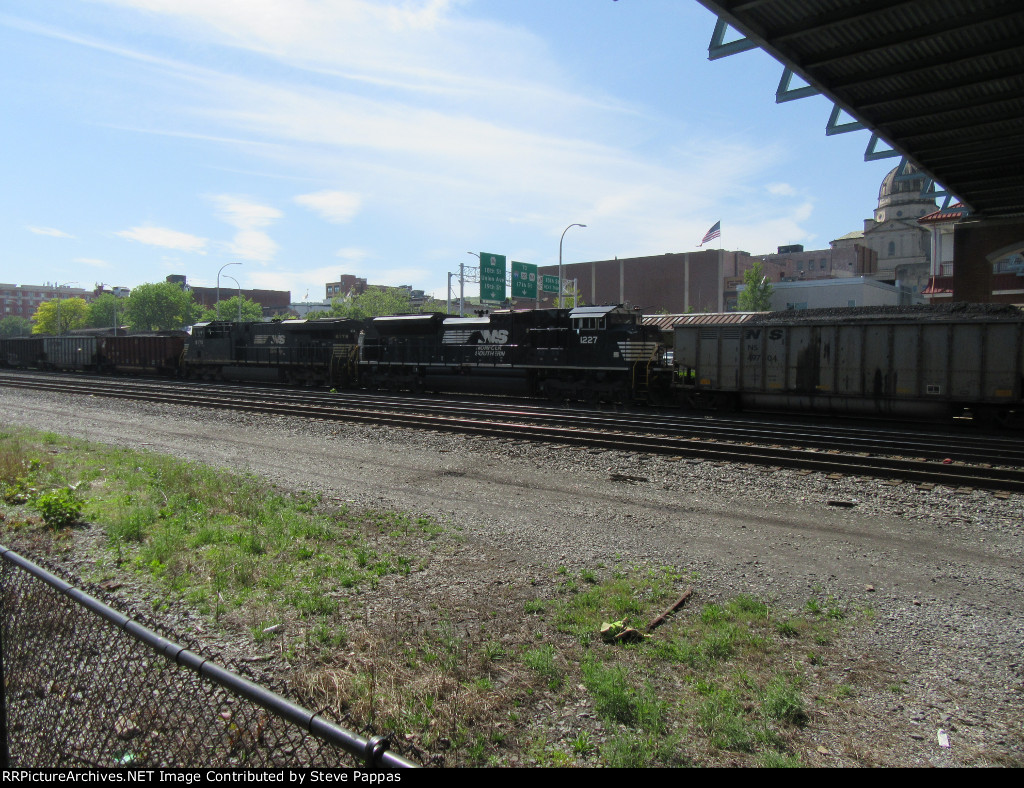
x: 218, y: 285
x: 59, y: 332
x: 561, y: 287
x: 462, y: 281
x: 239, y: 295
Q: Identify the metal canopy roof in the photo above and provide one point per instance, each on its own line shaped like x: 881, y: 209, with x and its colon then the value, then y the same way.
x: 941, y: 81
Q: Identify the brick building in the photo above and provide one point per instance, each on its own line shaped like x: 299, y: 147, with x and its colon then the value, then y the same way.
x: 273, y: 302
x: 24, y: 300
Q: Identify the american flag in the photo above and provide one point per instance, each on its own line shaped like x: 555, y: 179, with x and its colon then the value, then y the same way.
x: 714, y: 232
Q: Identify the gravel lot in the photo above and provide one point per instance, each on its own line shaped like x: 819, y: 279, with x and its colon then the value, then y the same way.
x: 941, y: 569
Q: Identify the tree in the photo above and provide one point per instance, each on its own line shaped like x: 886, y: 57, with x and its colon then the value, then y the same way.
x: 229, y: 308
x: 374, y: 302
x: 160, y: 307
x: 106, y: 311
x: 756, y: 295
x: 15, y: 326
x: 60, y: 315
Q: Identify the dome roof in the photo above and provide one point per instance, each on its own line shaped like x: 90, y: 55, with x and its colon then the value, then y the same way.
x: 902, y: 189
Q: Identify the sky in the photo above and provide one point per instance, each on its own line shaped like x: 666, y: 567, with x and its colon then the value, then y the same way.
x: 306, y: 139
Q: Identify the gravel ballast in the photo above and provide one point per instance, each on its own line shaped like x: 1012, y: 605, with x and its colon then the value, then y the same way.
x: 939, y: 568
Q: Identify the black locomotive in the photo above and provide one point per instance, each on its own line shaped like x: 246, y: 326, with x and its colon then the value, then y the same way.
x: 590, y: 353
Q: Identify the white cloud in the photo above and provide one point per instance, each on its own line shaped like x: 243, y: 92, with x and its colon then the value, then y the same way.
x: 92, y: 261
x: 334, y: 206
x: 250, y: 242
x: 168, y: 239
x: 781, y: 189
x: 245, y: 214
x: 253, y: 245
x: 50, y: 231
x: 352, y: 254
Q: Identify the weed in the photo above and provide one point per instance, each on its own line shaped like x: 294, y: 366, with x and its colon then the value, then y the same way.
x: 721, y: 717
x: 616, y: 699
x: 772, y: 759
x: 582, y: 745
x: 542, y: 660
x: 782, y: 701
x: 59, y: 508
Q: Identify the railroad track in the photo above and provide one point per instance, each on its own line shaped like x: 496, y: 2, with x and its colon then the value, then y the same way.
x: 955, y: 460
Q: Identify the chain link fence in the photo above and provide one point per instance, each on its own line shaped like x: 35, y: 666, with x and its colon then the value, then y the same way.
x: 85, y: 686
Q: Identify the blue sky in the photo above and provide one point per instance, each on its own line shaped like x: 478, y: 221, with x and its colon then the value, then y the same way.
x: 306, y: 139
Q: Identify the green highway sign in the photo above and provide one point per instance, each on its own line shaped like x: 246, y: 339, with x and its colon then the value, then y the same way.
x: 492, y: 277
x: 524, y: 280
x: 549, y: 284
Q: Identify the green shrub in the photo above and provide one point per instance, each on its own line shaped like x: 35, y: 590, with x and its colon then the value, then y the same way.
x: 59, y: 507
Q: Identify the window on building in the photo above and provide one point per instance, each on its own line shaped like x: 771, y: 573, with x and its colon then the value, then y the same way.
x: 892, y: 248
x: 824, y: 263
x: 851, y: 302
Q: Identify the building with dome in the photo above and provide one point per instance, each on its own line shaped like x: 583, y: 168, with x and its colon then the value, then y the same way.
x: 902, y: 244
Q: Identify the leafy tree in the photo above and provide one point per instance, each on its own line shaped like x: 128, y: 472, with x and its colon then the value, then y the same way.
x: 251, y: 310
x: 15, y: 326
x: 160, y: 307
x: 106, y: 311
x: 572, y: 298
x: 374, y: 302
x: 60, y: 315
x: 756, y: 296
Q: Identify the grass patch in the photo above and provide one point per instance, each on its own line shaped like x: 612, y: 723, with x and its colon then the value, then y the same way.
x: 226, y: 542
x: 471, y: 681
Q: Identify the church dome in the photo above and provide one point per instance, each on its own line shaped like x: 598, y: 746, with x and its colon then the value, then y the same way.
x: 902, y: 197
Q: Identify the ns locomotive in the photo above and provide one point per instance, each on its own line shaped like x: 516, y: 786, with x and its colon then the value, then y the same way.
x: 590, y: 353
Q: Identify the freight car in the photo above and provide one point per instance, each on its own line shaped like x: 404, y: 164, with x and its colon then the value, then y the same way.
x: 150, y: 354
x: 918, y: 363
x: 157, y: 353
x: 592, y: 353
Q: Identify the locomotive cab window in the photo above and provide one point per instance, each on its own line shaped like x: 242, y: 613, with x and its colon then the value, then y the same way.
x: 588, y: 324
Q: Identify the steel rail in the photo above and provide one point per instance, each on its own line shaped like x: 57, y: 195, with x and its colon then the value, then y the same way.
x: 831, y: 460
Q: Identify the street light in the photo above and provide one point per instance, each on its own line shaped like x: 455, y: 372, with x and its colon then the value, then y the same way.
x: 239, y: 295
x: 462, y: 282
x: 560, y: 285
x: 218, y: 285
x: 59, y: 332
